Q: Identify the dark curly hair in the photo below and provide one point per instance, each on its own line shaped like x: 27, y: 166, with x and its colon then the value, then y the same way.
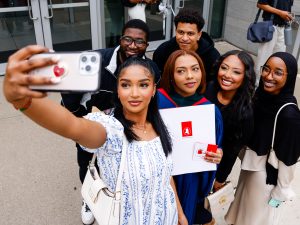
x: 240, y: 108
x: 138, y: 24
x: 153, y: 115
x: 187, y: 15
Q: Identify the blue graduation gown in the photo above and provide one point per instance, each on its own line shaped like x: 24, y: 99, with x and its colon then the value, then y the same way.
x: 192, y: 188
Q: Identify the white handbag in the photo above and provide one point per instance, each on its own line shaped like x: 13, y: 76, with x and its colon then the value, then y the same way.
x: 218, y: 202
x: 273, y: 160
x: 104, y: 204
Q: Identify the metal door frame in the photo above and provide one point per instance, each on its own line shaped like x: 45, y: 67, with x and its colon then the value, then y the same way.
x: 178, y: 4
x: 47, y: 13
x: 38, y: 12
x: 34, y: 15
x: 152, y: 44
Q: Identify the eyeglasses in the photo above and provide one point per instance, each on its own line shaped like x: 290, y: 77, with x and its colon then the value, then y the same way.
x: 139, y: 42
x: 265, y: 71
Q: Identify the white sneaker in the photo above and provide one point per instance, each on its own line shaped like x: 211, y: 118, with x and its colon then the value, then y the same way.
x: 87, y: 216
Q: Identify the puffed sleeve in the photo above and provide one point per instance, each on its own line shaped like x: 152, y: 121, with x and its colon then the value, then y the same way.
x: 114, y: 133
x: 283, y: 191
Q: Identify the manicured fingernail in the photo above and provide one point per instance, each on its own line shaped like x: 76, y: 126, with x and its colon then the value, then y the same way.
x: 51, y: 50
x: 55, y: 80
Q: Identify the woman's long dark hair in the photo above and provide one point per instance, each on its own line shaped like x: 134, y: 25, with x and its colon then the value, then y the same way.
x: 153, y: 115
x: 240, y: 108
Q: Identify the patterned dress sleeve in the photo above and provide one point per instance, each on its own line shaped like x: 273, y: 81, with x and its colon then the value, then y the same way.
x: 114, y: 133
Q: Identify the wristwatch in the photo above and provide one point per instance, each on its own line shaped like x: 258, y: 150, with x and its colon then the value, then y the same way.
x: 274, y: 202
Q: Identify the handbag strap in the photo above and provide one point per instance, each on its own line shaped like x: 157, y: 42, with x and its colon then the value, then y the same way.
x: 259, y: 10
x: 121, y: 168
x: 275, y: 122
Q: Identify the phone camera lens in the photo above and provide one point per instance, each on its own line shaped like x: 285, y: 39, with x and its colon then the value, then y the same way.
x: 93, y: 59
x: 84, y: 59
x: 88, y: 68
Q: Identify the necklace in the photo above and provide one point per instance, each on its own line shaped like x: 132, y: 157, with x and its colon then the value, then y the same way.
x: 141, y: 127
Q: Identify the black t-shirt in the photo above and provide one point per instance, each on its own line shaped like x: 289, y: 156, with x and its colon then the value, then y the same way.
x: 285, y: 5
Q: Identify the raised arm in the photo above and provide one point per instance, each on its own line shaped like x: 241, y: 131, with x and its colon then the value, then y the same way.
x: 43, y: 111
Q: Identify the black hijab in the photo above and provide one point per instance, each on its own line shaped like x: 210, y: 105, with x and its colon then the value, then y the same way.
x: 287, y: 135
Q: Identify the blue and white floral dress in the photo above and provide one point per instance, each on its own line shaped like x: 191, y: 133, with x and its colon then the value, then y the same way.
x: 147, y: 196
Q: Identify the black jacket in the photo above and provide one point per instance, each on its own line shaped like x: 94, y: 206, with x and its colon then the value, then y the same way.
x: 207, y: 52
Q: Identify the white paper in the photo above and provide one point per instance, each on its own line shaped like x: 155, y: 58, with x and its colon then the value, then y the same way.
x: 202, y: 118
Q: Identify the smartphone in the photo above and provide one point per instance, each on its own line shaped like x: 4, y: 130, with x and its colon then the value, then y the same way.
x: 79, y: 72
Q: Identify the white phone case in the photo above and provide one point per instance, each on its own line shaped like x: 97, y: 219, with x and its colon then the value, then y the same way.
x: 79, y: 72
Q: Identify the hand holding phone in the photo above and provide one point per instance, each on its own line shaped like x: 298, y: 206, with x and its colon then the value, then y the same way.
x: 77, y: 71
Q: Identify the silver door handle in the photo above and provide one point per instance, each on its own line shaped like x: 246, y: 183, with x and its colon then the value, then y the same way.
x: 51, y: 11
x: 30, y: 11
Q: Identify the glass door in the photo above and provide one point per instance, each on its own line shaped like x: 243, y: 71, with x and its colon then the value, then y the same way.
x: 212, y: 11
x: 216, y: 22
x: 159, y: 18
x: 113, y: 21
x: 67, y: 24
x: 58, y: 24
x: 19, y: 24
x: 203, y: 6
x: 115, y: 16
